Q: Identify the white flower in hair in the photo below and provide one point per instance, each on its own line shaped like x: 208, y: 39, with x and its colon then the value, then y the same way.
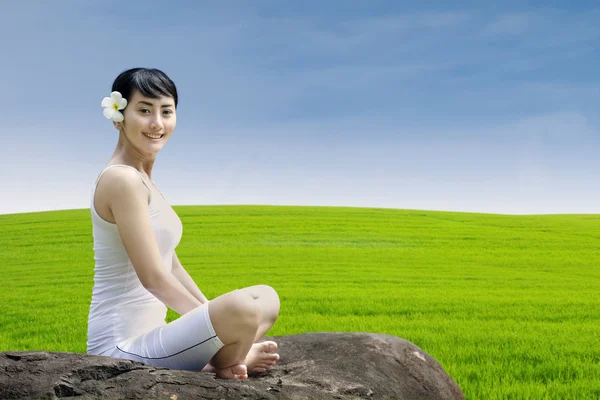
x: 112, y: 105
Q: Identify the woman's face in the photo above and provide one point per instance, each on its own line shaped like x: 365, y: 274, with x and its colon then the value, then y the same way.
x: 146, y: 116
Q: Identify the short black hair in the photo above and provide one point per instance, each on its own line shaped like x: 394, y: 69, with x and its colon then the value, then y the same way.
x: 150, y: 82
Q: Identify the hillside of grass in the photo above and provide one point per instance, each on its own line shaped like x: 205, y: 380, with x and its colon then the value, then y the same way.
x: 509, y: 305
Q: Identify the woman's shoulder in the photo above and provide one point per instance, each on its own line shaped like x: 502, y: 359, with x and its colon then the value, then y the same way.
x: 118, y: 183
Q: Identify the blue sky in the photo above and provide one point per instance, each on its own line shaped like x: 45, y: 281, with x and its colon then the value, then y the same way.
x: 472, y: 106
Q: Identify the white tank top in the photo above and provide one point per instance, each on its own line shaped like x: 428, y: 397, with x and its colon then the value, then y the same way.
x: 121, y: 307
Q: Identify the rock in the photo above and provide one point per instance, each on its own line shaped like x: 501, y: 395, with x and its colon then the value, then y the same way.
x: 327, y: 365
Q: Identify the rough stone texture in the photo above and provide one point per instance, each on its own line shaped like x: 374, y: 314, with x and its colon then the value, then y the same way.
x: 328, y: 365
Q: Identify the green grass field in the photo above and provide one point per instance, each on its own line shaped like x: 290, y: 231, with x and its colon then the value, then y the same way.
x: 509, y: 305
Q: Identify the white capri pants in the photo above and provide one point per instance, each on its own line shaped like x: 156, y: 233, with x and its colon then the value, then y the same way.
x: 188, y: 343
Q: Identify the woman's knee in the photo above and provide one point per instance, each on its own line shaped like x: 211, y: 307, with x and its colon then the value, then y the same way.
x: 245, y: 307
x: 272, y: 300
x: 269, y: 291
x: 262, y: 292
x: 267, y: 299
x: 232, y: 314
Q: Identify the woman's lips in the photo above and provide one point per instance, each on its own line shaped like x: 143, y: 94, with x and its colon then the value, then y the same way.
x: 151, y: 138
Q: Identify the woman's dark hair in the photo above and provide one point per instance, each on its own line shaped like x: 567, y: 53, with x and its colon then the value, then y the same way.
x: 150, y: 82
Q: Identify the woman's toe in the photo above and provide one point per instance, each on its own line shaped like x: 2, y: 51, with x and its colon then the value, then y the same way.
x: 269, y: 346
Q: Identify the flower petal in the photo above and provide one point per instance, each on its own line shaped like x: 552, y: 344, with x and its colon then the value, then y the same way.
x: 106, y: 102
x: 116, y: 97
x: 108, y: 112
x: 117, y: 116
x: 122, y: 104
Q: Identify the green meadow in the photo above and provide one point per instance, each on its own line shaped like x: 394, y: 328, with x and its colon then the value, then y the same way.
x: 509, y: 305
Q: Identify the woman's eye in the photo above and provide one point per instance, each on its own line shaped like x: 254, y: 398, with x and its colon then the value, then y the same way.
x: 143, y: 110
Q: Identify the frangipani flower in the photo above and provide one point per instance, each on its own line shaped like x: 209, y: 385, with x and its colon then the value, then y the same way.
x: 112, y: 105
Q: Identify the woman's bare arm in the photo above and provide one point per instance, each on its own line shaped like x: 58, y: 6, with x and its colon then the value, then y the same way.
x: 186, y: 280
x: 128, y: 201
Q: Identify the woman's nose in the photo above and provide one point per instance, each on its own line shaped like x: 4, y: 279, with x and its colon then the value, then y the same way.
x: 156, y: 124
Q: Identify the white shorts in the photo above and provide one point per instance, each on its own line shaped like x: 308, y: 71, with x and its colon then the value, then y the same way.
x: 188, y: 343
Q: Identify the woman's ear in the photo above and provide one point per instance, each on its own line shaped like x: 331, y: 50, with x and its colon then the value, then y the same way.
x: 117, y: 125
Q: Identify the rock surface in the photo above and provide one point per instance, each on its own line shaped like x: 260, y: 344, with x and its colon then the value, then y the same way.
x: 323, y: 365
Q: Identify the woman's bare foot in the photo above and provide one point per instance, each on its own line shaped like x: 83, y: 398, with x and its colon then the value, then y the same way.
x: 261, y: 356
x: 238, y: 371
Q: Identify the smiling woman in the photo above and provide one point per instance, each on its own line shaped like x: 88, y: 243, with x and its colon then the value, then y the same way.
x: 137, y: 273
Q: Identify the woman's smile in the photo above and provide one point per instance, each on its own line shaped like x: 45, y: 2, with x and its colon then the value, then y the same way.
x: 153, y: 136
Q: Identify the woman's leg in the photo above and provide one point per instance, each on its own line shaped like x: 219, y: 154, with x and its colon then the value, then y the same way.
x: 221, y: 332
x: 268, y: 304
x: 256, y: 308
x: 235, y: 319
x: 187, y: 343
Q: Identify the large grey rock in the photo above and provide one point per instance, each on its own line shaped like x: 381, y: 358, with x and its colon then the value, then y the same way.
x: 328, y: 365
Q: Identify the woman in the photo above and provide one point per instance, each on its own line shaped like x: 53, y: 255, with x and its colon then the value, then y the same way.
x: 137, y: 273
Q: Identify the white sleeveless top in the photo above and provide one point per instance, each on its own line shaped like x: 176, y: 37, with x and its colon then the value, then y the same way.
x: 121, y: 307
